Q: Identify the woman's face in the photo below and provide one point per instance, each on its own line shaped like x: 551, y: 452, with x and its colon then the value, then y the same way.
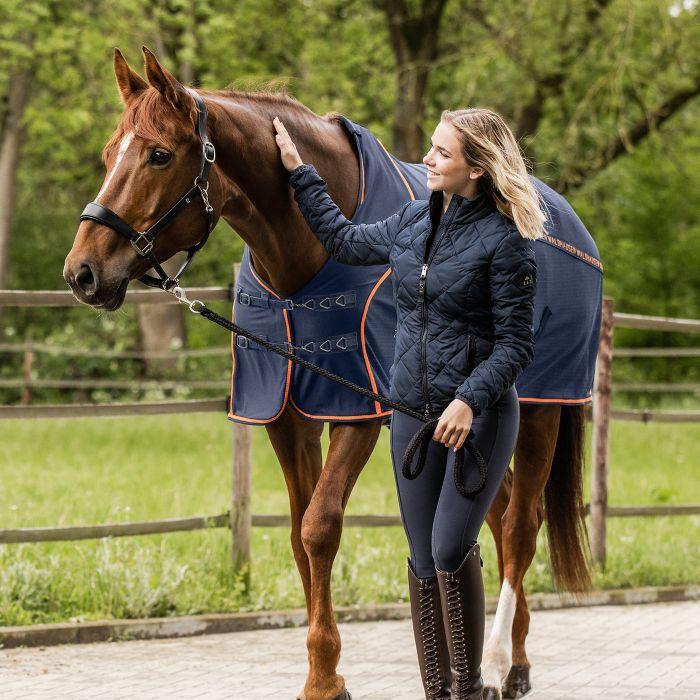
x: 447, y: 169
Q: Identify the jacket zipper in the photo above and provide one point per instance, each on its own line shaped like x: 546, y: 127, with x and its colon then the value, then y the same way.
x: 444, y: 225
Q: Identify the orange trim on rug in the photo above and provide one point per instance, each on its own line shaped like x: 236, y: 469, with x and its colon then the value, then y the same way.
x: 259, y: 421
x: 398, y: 170
x: 362, y: 176
x: 572, y: 249
x: 372, y: 381
x: 379, y: 413
x: 525, y: 399
x: 343, y: 418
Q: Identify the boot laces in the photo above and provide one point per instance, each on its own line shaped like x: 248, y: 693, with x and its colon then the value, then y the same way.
x: 430, y: 643
x: 459, y: 643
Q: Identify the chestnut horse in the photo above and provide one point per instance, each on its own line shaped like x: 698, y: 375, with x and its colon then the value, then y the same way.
x: 151, y: 160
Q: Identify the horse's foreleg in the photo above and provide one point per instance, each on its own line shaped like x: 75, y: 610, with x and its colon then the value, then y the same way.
x: 504, y: 655
x: 297, y: 444
x: 350, y: 447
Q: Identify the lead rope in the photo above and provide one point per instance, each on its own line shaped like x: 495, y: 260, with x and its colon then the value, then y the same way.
x: 420, y: 439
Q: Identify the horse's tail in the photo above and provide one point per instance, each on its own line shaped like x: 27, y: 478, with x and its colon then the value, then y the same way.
x: 564, y: 508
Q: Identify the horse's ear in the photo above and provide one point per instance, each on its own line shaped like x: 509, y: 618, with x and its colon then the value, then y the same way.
x: 129, y: 81
x: 163, y: 81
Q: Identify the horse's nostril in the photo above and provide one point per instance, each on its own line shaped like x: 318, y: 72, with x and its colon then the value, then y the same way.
x: 85, y: 280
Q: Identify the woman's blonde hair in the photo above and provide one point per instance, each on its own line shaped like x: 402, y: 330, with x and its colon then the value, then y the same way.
x: 488, y: 143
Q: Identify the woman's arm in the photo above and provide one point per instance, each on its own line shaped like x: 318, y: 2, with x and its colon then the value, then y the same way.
x: 352, y: 244
x: 512, y: 274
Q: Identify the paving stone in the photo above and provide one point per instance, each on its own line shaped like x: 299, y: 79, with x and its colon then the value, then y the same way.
x: 640, y: 651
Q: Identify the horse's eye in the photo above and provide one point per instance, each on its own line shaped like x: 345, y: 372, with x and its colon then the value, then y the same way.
x: 159, y: 157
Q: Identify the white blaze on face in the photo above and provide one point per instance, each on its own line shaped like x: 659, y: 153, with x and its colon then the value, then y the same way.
x: 498, y: 654
x: 126, y: 140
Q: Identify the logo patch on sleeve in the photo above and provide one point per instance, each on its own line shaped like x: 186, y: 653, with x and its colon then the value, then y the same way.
x: 527, y: 279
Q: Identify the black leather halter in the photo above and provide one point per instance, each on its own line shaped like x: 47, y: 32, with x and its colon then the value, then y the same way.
x: 143, y: 241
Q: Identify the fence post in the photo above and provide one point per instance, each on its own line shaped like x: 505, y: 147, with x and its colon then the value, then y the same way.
x: 601, y: 433
x: 27, y: 367
x: 241, y: 518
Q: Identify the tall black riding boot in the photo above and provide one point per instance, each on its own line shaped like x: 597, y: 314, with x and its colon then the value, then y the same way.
x: 464, y: 615
x: 431, y: 643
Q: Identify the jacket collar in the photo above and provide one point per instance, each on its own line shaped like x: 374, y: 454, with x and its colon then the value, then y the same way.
x: 467, y: 210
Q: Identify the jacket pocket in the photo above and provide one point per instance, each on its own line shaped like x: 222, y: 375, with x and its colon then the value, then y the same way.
x: 471, y: 353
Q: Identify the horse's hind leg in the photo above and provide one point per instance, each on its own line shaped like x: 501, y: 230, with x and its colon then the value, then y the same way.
x: 297, y: 444
x: 495, y: 515
x: 505, y: 661
x: 350, y: 447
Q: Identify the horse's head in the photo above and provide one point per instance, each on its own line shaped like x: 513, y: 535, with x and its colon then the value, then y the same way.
x: 153, y: 158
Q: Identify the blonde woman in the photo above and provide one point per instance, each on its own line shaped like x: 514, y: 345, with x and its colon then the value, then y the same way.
x: 463, y: 272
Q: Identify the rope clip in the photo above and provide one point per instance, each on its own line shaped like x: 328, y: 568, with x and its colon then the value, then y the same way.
x: 195, y: 306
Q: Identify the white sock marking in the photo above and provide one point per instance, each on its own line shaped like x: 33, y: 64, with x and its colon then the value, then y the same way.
x: 498, y: 653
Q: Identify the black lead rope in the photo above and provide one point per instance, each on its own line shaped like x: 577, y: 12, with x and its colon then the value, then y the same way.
x: 420, y: 440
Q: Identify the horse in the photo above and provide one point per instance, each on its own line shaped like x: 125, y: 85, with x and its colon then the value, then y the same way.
x: 154, y: 155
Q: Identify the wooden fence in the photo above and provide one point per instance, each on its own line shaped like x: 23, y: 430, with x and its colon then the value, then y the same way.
x: 239, y: 518
x: 603, y: 413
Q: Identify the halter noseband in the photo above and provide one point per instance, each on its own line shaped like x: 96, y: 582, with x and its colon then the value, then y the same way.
x: 143, y: 241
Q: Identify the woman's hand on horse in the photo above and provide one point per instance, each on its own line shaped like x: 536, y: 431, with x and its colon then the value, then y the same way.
x: 454, y: 425
x: 290, y: 155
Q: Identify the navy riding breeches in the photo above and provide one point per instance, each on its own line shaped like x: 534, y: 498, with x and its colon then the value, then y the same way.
x: 442, y: 525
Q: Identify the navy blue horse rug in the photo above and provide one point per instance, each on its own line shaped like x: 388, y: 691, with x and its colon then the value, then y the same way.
x: 342, y: 320
x: 568, y: 309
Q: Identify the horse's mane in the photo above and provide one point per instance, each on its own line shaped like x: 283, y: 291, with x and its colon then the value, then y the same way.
x: 149, y: 116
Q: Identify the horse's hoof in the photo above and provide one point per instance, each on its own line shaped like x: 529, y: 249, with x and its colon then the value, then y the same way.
x: 491, y: 694
x: 345, y: 695
x: 517, y: 683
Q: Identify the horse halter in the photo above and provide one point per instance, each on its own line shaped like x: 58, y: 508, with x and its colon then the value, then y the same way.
x: 143, y: 241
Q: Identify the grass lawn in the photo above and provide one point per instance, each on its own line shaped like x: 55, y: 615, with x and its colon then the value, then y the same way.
x: 65, y: 472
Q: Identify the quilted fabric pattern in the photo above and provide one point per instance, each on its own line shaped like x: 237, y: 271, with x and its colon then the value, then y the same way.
x: 469, y: 333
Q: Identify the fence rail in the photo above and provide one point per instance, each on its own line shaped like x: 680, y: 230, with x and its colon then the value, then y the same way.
x: 144, y: 384
x: 657, y: 352
x: 134, y: 385
x: 41, y: 298
x: 216, y: 405
x: 114, y: 354
x: 656, y: 323
x: 657, y: 387
x: 646, y: 416
x: 223, y: 520
x: 96, y: 410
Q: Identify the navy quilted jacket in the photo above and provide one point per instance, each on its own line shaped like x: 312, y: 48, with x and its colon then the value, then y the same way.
x: 464, y: 312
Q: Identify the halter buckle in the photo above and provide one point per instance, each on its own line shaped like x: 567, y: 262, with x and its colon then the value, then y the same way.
x: 136, y: 244
x: 208, y: 151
